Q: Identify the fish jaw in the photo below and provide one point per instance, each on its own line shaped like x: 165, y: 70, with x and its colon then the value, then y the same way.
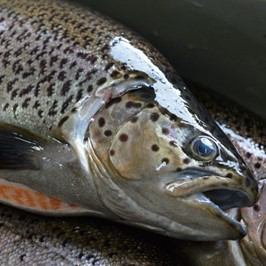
x: 236, y: 191
x: 218, y: 224
x: 194, y: 217
x: 215, y: 195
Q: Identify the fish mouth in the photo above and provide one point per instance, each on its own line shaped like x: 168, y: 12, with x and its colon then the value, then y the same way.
x: 216, y: 194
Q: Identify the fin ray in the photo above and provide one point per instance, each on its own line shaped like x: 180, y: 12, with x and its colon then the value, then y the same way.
x: 19, y: 149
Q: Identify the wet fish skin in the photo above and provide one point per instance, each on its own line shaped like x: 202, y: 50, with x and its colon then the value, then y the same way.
x: 62, y: 65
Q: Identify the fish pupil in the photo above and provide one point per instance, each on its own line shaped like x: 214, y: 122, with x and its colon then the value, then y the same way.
x: 204, y: 147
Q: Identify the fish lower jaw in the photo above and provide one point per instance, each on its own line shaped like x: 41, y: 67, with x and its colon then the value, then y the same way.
x: 229, y: 216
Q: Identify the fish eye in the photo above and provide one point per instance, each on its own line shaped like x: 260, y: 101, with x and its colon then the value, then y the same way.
x: 204, y: 148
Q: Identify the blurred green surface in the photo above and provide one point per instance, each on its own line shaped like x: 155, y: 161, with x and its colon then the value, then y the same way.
x: 218, y: 44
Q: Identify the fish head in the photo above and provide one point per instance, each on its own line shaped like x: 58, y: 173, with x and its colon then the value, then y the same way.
x: 170, y: 167
x: 179, y: 178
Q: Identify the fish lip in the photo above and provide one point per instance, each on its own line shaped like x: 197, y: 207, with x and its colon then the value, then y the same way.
x: 200, y: 192
x: 193, y: 180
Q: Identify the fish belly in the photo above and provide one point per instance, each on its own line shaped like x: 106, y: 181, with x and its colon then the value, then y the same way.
x: 22, y: 197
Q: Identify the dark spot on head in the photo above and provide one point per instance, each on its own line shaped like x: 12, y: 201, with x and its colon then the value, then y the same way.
x: 124, y: 67
x: 150, y: 105
x: 115, y: 74
x: 178, y: 169
x: 108, y: 133
x: 154, y: 117
x: 112, y: 152
x: 101, y: 122
x: 131, y: 104
x: 257, y: 165
x: 186, y: 161
x: 165, y: 160
x: 123, y: 137
x: 155, y: 147
x: 134, y: 119
x: 229, y: 175
x: 126, y: 76
x: 165, y: 131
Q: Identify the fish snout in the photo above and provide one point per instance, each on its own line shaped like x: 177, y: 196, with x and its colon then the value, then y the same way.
x: 227, y: 191
x: 237, y: 195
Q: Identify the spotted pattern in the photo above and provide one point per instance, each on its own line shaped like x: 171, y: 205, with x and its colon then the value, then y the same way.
x: 155, y: 147
x: 52, y: 55
x: 154, y: 117
x: 123, y: 137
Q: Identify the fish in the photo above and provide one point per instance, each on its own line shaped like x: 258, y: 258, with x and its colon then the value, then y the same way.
x: 94, y: 121
x: 247, y: 132
x: 78, y: 240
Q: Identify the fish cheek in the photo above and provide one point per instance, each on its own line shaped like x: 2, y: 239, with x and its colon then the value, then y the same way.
x: 137, y: 152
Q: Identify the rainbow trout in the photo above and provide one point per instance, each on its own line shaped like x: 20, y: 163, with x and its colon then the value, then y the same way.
x: 94, y: 121
x: 76, y: 241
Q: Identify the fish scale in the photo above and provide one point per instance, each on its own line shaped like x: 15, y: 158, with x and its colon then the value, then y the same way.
x: 51, y: 59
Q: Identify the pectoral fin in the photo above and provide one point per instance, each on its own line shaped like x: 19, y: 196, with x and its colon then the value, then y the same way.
x: 19, y: 149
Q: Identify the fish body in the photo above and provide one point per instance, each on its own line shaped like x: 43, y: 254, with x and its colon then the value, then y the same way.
x: 95, y: 121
